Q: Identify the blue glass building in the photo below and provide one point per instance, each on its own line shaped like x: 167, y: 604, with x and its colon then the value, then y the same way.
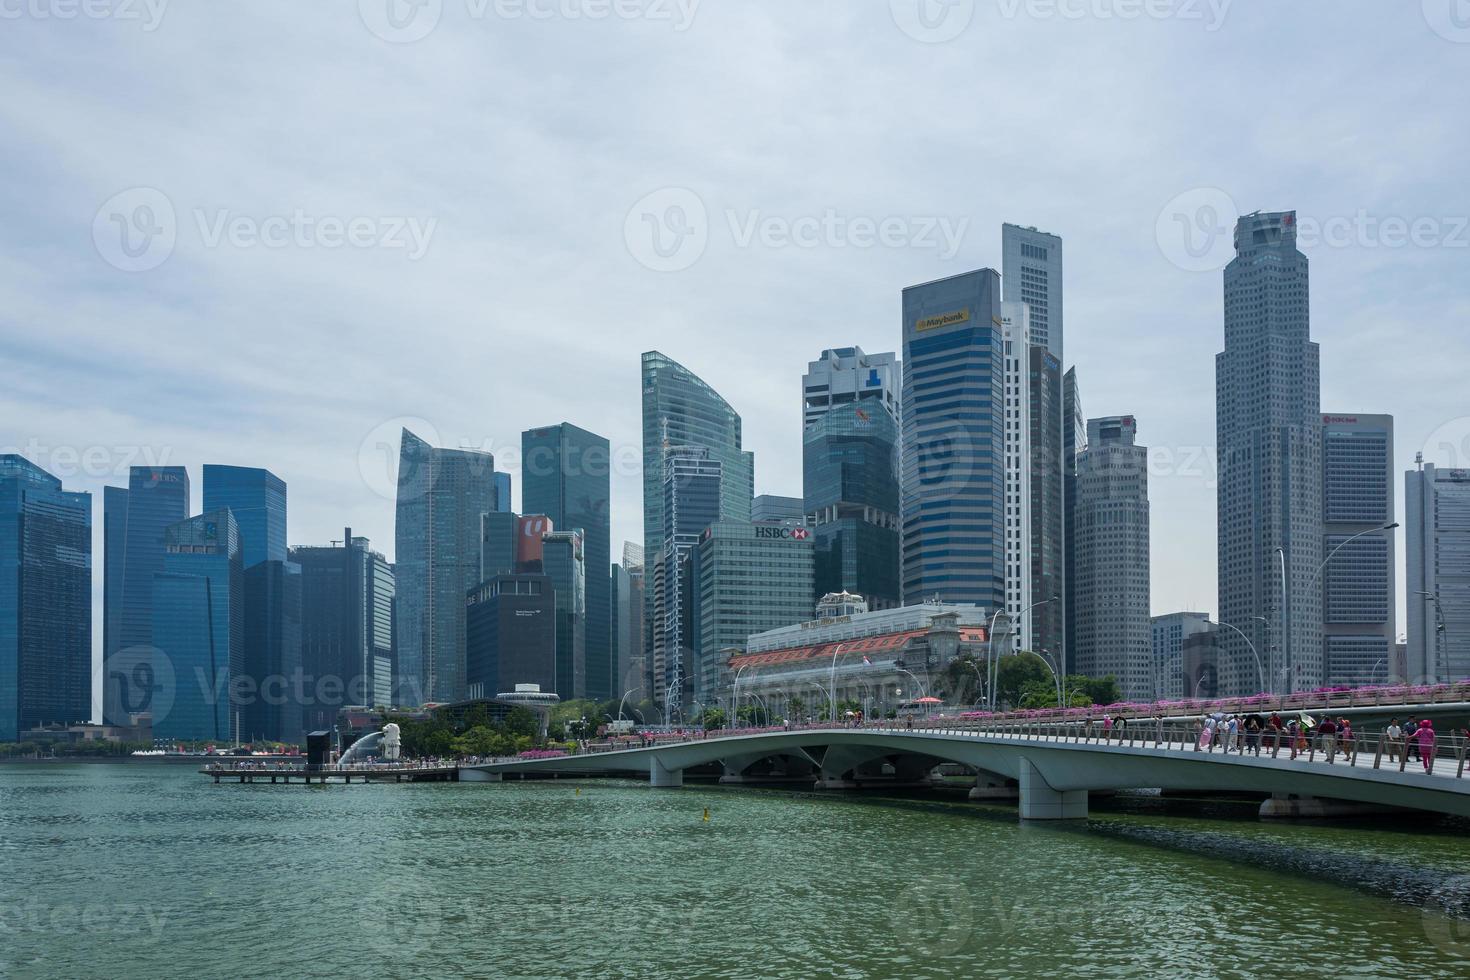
x: 564, y: 561
x: 257, y: 498
x: 156, y: 498
x: 502, y: 492
x: 272, y: 710
x: 952, y: 472
x: 566, y: 474
x: 45, y: 600
x: 199, y: 629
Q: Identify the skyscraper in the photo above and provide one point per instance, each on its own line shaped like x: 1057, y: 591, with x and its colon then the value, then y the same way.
x: 952, y: 475
x: 681, y: 410
x: 1359, y: 584
x: 442, y: 496
x: 1169, y: 633
x: 157, y: 497
x: 1031, y: 264
x: 773, y: 507
x: 1049, y: 467
x: 1016, y: 323
x: 257, y: 498
x: 199, y: 627
x: 850, y: 412
x: 502, y: 492
x: 566, y: 474
x: 1111, y: 552
x: 627, y: 625
x: 511, y: 627
x: 1074, y: 441
x: 45, y: 600
x: 347, y: 592
x: 564, y: 559
x: 1268, y: 417
x: 1437, y: 505
x: 272, y: 658
x: 693, y: 487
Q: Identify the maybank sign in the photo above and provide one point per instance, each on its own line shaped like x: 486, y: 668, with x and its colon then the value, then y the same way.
x: 943, y: 320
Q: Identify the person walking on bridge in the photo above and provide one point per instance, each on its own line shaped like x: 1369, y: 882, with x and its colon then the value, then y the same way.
x: 1391, y: 737
x: 1328, y: 731
x: 1425, y: 739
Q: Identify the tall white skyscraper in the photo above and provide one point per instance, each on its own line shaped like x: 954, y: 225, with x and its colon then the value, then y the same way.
x: 1437, y: 508
x: 1016, y: 322
x: 1031, y: 273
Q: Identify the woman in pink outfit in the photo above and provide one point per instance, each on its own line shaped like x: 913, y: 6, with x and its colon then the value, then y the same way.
x: 1425, y: 737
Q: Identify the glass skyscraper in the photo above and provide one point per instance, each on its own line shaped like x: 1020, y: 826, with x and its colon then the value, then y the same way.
x: 272, y: 652
x: 693, y: 485
x: 566, y: 474
x: 442, y: 496
x: 199, y: 628
x: 156, y: 498
x: 257, y: 498
x: 1437, y: 531
x: 45, y: 600
x: 564, y: 561
x: 1268, y: 417
x: 952, y: 474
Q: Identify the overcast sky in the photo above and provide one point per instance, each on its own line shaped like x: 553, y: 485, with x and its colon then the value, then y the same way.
x: 266, y: 234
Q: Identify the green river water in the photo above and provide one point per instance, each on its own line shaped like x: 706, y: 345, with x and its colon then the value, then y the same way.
x: 139, y: 870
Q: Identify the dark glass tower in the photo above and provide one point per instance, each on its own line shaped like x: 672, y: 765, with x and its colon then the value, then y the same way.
x: 45, y: 600
x: 564, y: 561
x: 442, y: 496
x: 272, y: 652
x: 566, y: 475
x: 199, y: 629
x: 850, y: 478
x: 1050, y: 465
x: 952, y: 472
x: 257, y: 498
x: 156, y: 498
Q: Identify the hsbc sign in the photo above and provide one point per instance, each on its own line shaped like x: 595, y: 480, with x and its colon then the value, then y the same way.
x: 790, y: 533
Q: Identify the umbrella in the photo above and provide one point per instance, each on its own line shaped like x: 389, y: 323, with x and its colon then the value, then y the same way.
x: 1308, y: 720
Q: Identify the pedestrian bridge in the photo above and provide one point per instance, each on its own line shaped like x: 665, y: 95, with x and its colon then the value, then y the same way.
x: 1053, y: 765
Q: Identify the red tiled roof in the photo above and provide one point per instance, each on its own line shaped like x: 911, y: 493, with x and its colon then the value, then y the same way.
x: 887, y: 643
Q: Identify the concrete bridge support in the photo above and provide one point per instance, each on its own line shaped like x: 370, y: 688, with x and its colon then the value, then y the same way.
x: 1040, y: 802
x: 660, y: 776
x: 990, y: 786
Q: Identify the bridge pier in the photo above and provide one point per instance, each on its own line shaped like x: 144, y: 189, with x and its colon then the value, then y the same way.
x: 989, y: 786
x: 1040, y: 802
x: 662, y: 777
x: 1289, y: 806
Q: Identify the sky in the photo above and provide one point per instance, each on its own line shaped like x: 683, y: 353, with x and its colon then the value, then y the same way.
x: 272, y: 234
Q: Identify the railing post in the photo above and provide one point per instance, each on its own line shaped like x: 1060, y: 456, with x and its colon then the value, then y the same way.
x: 1378, y: 753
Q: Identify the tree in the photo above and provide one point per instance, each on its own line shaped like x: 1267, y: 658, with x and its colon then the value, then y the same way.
x: 1018, y: 672
x: 962, y: 678
x: 795, y: 703
x: 1099, y: 690
x: 713, y: 718
x: 521, y: 721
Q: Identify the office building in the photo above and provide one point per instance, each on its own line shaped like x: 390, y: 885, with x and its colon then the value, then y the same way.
x: 1200, y: 657
x: 1049, y: 468
x: 1031, y: 266
x: 157, y: 497
x: 627, y: 623
x: 443, y: 494
x: 1359, y: 584
x: 952, y: 471
x: 511, y: 629
x: 746, y: 578
x: 257, y: 498
x: 1015, y: 320
x: 1169, y: 633
x: 681, y: 410
x: 502, y: 492
x: 565, y: 563
x: 1111, y: 550
x: 1437, y: 509
x: 847, y: 375
x: 770, y: 507
x: 272, y: 710
x: 693, y: 491
x: 566, y: 475
x: 850, y: 480
x: 347, y: 592
x: 45, y: 600
x: 1074, y: 441
x: 1269, y: 433
x: 199, y: 629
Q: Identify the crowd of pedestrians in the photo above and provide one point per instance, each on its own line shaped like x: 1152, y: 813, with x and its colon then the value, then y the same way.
x: 1331, y: 736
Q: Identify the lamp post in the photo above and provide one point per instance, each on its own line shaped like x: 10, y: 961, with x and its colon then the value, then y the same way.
x: 994, y: 662
x: 1286, y: 599
x: 1046, y: 659
x: 1439, y: 631
x: 1260, y: 668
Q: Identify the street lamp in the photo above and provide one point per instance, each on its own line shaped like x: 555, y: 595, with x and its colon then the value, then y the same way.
x: 992, y: 662
x: 1439, y: 631
x: 1286, y: 598
x: 1046, y: 659
x: 1260, y: 668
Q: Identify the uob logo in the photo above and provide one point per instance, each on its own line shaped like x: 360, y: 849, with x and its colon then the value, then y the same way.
x: 668, y: 230
x: 135, y: 230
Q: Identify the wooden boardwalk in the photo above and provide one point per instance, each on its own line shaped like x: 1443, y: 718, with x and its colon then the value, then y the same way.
x: 277, y: 773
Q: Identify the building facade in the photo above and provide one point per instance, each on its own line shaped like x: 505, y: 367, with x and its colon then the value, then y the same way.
x: 565, y: 563
x: 952, y: 470
x: 272, y: 660
x: 566, y: 474
x: 257, y: 498
x: 199, y: 630
x: 1031, y: 267
x: 1359, y: 584
x: 1169, y: 633
x: 1269, y: 434
x: 1047, y: 554
x: 443, y: 494
x: 773, y: 507
x: 1437, y: 509
x: 511, y: 627
x: 157, y: 497
x: 847, y: 375
x: 1111, y: 549
x: 1016, y: 322
x: 45, y: 600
